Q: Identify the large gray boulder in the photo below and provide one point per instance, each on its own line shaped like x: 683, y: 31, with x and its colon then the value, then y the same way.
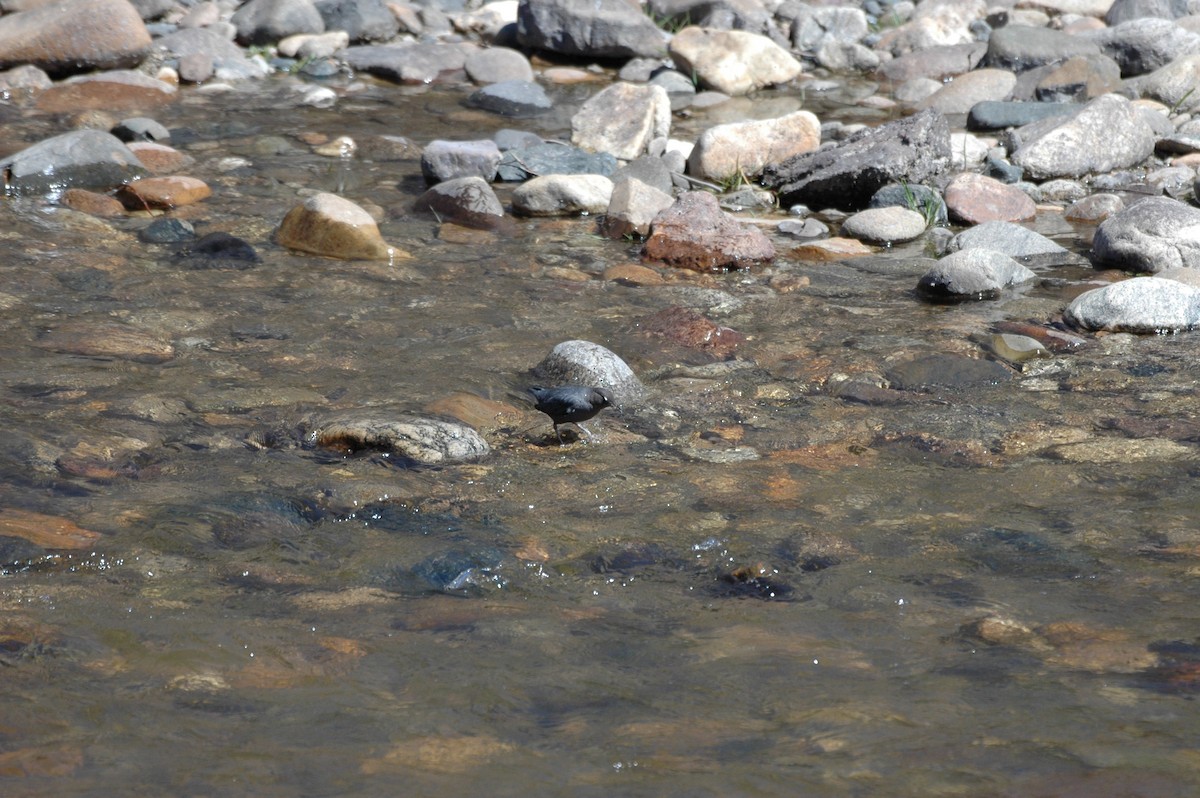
x: 972, y: 274
x: 589, y: 28
x: 1139, y: 305
x: 268, y: 21
x: 1144, y: 45
x: 1105, y: 135
x: 846, y: 176
x: 1153, y: 235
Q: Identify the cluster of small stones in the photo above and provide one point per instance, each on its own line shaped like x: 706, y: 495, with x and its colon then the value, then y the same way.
x: 1000, y: 112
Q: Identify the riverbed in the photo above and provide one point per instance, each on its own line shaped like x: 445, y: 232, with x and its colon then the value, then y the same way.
x: 764, y: 579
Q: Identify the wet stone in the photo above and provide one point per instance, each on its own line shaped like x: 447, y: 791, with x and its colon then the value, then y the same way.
x: 90, y: 202
x: 1137, y: 305
x: 942, y: 372
x: 82, y: 158
x: 167, y: 231
x: 1011, y: 239
x: 515, y: 98
x: 1001, y: 115
x: 120, y: 90
x: 220, y: 250
x: 107, y: 340
x: 1151, y: 235
x: 469, y: 201
x: 522, y: 163
x: 972, y: 274
x: 163, y: 192
x: 688, y: 328
x: 332, y: 226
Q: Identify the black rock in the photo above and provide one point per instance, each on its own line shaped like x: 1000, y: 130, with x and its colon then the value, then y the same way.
x: 167, y: 231
x: 570, y: 404
x: 847, y: 175
x: 221, y: 251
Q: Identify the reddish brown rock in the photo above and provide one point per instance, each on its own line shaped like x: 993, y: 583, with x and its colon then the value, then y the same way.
x: 119, y: 92
x: 688, y: 328
x: 974, y: 199
x: 633, y: 274
x: 482, y: 414
x: 108, y: 341
x: 47, y: 531
x: 84, y: 201
x: 159, y: 158
x: 163, y: 192
x: 67, y: 36
x: 695, y: 233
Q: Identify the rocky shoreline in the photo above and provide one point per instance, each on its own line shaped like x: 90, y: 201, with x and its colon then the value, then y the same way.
x: 999, y: 114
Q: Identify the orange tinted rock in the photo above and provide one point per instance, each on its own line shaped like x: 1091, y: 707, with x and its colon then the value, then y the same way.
x: 118, y: 92
x: 633, y: 274
x: 71, y: 35
x: 47, y: 531
x: 333, y: 226
x: 480, y: 413
x: 159, y: 158
x: 831, y: 249
x: 84, y: 201
x: 163, y: 192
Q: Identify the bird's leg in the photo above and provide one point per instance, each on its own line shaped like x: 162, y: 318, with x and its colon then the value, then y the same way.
x: 558, y: 434
x: 585, y: 430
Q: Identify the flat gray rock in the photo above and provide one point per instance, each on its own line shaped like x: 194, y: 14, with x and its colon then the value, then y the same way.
x: 515, y: 98
x: 428, y: 441
x: 446, y: 160
x: 409, y: 64
x: 589, y: 28
x: 1008, y: 238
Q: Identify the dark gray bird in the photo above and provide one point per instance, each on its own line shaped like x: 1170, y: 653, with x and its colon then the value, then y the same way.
x: 570, y: 404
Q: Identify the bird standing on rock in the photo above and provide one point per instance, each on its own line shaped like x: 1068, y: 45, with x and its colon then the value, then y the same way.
x: 570, y: 404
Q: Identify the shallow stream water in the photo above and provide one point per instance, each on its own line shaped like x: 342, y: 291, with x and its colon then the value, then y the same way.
x: 755, y: 583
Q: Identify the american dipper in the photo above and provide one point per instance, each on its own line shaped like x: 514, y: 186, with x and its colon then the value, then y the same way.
x: 570, y: 403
